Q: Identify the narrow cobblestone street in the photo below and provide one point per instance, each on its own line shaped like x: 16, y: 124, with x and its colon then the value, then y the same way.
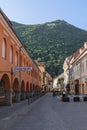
x: 46, y: 113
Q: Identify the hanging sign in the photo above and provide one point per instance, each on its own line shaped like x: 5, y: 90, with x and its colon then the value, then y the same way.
x: 15, y: 69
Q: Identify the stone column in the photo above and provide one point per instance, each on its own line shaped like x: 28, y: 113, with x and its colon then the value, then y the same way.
x: 28, y: 94
x: 23, y: 95
x: 8, y: 97
x: 17, y: 96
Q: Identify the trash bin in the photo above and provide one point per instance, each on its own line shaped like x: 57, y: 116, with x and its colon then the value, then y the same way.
x: 76, y: 99
x: 66, y: 99
x: 85, y: 98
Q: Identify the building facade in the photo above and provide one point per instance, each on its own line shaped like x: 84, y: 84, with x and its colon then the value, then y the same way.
x: 15, y: 85
x: 48, y: 83
x: 46, y: 79
x: 66, y: 72
x: 58, y: 82
x: 77, y: 71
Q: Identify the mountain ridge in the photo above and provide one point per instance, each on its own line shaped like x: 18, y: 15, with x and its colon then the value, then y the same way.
x: 51, y: 42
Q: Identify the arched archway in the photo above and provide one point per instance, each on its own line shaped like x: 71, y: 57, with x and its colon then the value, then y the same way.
x: 35, y: 91
x: 23, y: 90
x: 31, y: 89
x: 16, y: 91
x: 83, y: 86
x: 16, y: 85
x: 27, y: 86
x: 27, y: 90
x: 38, y: 90
x: 6, y: 81
x: 76, y: 87
x: 5, y: 90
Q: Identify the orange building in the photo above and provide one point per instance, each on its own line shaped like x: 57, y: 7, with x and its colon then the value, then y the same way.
x: 46, y: 79
x: 15, y: 82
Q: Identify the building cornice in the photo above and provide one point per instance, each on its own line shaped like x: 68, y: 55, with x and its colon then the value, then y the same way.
x: 80, y: 56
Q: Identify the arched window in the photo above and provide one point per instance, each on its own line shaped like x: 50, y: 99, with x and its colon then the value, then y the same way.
x: 4, y: 49
x: 16, y: 59
x: 11, y: 54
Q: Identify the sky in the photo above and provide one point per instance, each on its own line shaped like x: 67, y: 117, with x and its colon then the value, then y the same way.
x: 40, y: 11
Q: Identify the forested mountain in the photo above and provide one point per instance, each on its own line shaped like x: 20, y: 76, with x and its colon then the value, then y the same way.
x: 51, y: 42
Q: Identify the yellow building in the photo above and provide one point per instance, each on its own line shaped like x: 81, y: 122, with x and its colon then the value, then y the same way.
x: 41, y: 66
x: 46, y: 79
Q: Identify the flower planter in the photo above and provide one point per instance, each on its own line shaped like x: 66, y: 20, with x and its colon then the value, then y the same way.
x: 85, y: 98
x: 76, y: 99
x: 65, y: 99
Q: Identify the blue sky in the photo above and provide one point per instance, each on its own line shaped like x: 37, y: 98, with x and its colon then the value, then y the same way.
x: 41, y: 11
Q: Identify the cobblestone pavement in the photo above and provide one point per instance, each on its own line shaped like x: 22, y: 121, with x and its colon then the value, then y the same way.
x: 46, y: 113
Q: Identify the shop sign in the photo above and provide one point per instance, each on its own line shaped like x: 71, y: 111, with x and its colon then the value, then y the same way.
x: 15, y: 69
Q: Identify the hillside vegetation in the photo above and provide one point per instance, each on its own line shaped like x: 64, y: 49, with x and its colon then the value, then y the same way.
x: 51, y: 42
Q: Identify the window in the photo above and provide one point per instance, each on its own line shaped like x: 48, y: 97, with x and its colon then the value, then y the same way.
x: 86, y: 65
x: 82, y: 67
x: 16, y: 59
x: 11, y: 54
x: 4, y: 49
